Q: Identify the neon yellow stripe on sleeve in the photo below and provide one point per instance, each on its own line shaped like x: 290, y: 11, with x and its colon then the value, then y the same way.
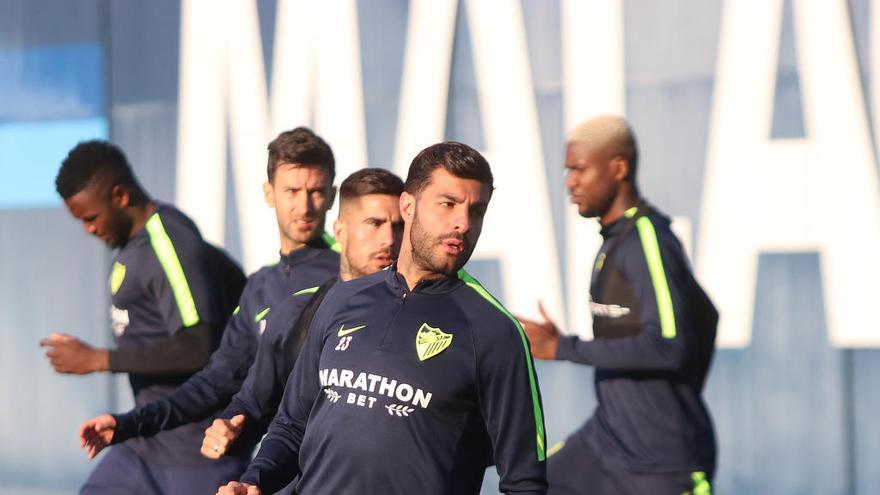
x: 658, y: 276
x: 536, y: 402
x: 164, y: 250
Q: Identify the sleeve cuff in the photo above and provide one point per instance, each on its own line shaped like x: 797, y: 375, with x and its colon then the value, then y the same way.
x: 113, y: 360
x: 565, y: 351
x: 126, y: 426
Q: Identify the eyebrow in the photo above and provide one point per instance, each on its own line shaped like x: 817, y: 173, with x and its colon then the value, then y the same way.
x: 449, y: 196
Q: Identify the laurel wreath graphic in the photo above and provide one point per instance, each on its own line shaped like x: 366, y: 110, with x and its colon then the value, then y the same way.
x: 332, y: 395
x: 399, y: 410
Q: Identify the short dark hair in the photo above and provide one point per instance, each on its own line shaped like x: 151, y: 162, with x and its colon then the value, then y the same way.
x: 301, y: 146
x: 92, y: 162
x: 456, y: 158
x: 370, y: 181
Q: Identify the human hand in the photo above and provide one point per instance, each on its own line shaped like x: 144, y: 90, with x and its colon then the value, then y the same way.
x: 220, y: 435
x: 97, y: 433
x: 236, y: 488
x: 68, y: 354
x: 543, y: 336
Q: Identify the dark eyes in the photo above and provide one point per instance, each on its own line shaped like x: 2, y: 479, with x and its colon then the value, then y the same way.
x: 314, y: 192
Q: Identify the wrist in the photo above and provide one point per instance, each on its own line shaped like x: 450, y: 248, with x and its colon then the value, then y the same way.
x: 554, y: 347
x: 100, y: 360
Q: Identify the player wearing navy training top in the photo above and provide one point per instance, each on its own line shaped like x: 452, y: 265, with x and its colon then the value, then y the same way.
x: 300, y: 174
x: 171, y: 293
x: 369, y: 231
x: 398, y: 367
x: 654, y: 334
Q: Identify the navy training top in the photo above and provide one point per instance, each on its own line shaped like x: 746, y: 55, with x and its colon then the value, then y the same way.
x: 654, y: 336
x: 161, y: 284
x: 387, y: 389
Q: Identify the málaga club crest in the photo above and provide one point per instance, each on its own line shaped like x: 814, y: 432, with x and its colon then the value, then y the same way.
x: 431, y: 341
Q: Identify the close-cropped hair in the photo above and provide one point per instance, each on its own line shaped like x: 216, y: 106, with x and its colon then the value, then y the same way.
x: 458, y: 159
x: 370, y: 181
x: 93, y: 162
x: 300, y: 146
x: 613, y: 133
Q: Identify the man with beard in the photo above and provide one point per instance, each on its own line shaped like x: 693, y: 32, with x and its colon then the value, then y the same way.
x: 399, y: 365
x: 300, y: 188
x: 654, y: 330
x: 369, y: 231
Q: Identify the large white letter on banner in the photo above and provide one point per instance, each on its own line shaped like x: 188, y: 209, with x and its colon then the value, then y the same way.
x: 593, y: 72
x: 819, y: 193
x: 518, y: 230
x: 222, y: 83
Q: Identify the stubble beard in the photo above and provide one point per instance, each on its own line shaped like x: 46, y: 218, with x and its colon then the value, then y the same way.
x: 423, y: 248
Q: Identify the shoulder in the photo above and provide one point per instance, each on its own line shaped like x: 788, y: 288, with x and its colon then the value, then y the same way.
x: 293, y: 303
x: 259, y: 280
x: 173, y: 221
x: 652, y: 234
x: 172, y: 235
x: 489, y: 319
x: 353, y: 291
x: 322, y: 266
x: 345, y: 290
x: 263, y: 272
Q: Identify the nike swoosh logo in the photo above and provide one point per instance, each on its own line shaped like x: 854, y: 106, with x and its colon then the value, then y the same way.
x: 345, y: 331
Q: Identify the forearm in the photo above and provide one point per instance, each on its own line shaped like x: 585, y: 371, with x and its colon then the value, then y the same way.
x: 640, y: 352
x: 184, y: 352
x: 277, y: 462
x: 200, y: 397
x: 255, y: 424
x: 261, y: 393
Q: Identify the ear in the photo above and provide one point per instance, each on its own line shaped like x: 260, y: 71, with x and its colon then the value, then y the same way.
x: 407, y: 206
x: 621, y: 168
x: 339, y: 231
x: 268, y: 194
x: 119, y: 196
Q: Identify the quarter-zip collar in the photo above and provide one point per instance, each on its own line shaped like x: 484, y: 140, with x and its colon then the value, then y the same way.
x: 442, y: 285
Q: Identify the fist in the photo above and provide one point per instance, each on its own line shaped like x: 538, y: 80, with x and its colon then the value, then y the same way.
x: 70, y: 355
x: 236, y: 488
x: 220, y: 435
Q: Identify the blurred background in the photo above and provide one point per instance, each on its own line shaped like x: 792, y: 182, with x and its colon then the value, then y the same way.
x: 756, y: 122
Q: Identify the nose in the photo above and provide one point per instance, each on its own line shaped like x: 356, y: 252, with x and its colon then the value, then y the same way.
x: 461, y: 222
x: 302, y: 202
x: 386, y: 235
x: 90, y: 228
x: 569, y: 180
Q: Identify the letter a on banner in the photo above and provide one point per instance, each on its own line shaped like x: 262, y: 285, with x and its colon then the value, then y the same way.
x: 819, y: 193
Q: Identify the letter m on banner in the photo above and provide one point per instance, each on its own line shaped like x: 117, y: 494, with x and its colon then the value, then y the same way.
x: 224, y: 105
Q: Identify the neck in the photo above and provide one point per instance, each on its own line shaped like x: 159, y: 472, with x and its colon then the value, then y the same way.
x: 411, y: 271
x: 288, y: 246
x: 344, y: 268
x: 140, y: 213
x: 625, y: 199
